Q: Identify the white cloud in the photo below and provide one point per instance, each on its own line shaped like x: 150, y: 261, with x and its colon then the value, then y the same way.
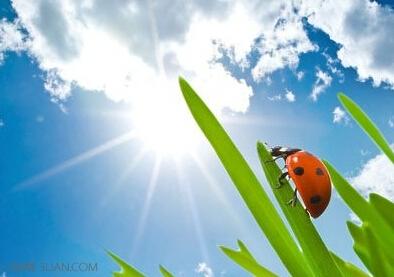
x: 364, y: 31
x: 322, y: 82
x: 204, y: 269
x: 300, y: 75
x: 276, y: 97
x: 290, y: 96
x: 281, y: 46
x: 11, y: 38
x: 391, y: 122
x: 339, y: 116
x: 131, y: 51
x: 377, y: 175
x: 125, y: 49
x: 364, y: 152
x: 57, y: 87
x: 332, y: 65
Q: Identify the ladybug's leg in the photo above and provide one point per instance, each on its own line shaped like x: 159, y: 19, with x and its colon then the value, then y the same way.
x: 293, y: 201
x: 280, y: 179
x: 274, y: 159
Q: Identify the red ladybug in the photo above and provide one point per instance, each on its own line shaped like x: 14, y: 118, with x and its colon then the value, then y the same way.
x: 309, y: 175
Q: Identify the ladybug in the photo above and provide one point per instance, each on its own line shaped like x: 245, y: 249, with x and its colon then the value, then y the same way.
x: 309, y: 175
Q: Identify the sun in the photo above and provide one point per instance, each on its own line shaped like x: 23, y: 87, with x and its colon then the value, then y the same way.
x: 163, y: 123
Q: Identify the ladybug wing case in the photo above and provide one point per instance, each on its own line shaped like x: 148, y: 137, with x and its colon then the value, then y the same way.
x: 312, y: 181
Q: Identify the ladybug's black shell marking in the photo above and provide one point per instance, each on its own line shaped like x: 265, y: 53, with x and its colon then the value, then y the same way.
x: 298, y: 171
x: 315, y: 199
x: 319, y: 171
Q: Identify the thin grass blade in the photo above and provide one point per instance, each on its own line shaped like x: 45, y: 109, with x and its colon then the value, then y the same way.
x: 244, y: 258
x: 348, y: 269
x: 378, y: 262
x: 384, y: 207
x: 247, y: 184
x: 360, y: 206
x: 126, y: 269
x: 366, y: 124
x: 165, y: 272
x: 360, y: 244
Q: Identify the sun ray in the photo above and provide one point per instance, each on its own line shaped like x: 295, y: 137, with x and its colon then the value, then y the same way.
x: 216, y: 190
x: 147, y: 205
x: 114, y: 189
x: 185, y: 188
x: 87, y: 155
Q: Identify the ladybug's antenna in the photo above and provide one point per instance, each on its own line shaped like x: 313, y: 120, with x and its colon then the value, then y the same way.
x: 266, y: 144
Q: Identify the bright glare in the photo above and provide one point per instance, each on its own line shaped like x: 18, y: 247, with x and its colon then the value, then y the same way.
x: 163, y: 122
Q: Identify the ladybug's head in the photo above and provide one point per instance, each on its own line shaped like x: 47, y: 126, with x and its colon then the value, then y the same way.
x: 276, y: 151
x: 283, y: 151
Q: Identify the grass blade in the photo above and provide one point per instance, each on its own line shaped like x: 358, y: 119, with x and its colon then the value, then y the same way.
x: 384, y: 207
x: 378, y: 263
x: 165, y: 272
x: 363, y: 210
x: 126, y: 269
x: 348, y: 269
x: 360, y: 244
x: 247, y: 184
x: 315, y: 251
x: 245, y: 259
x: 366, y: 124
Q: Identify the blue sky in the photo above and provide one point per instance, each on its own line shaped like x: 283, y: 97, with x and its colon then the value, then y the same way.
x: 84, y: 98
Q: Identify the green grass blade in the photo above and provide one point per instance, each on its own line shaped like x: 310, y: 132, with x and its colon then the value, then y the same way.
x: 315, y: 251
x: 245, y: 250
x: 360, y: 244
x: 126, y: 269
x: 247, y: 184
x: 165, y: 272
x: 384, y: 207
x: 245, y: 259
x: 352, y: 198
x: 378, y: 262
x: 360, y: 206
x: 348, y: 269
x: 357, y: 233
x: 366, y: 124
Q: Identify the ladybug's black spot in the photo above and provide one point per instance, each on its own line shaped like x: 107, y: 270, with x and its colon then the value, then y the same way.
x: 319, y: 171
x: 315, y: 199
x: 299, y: 170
